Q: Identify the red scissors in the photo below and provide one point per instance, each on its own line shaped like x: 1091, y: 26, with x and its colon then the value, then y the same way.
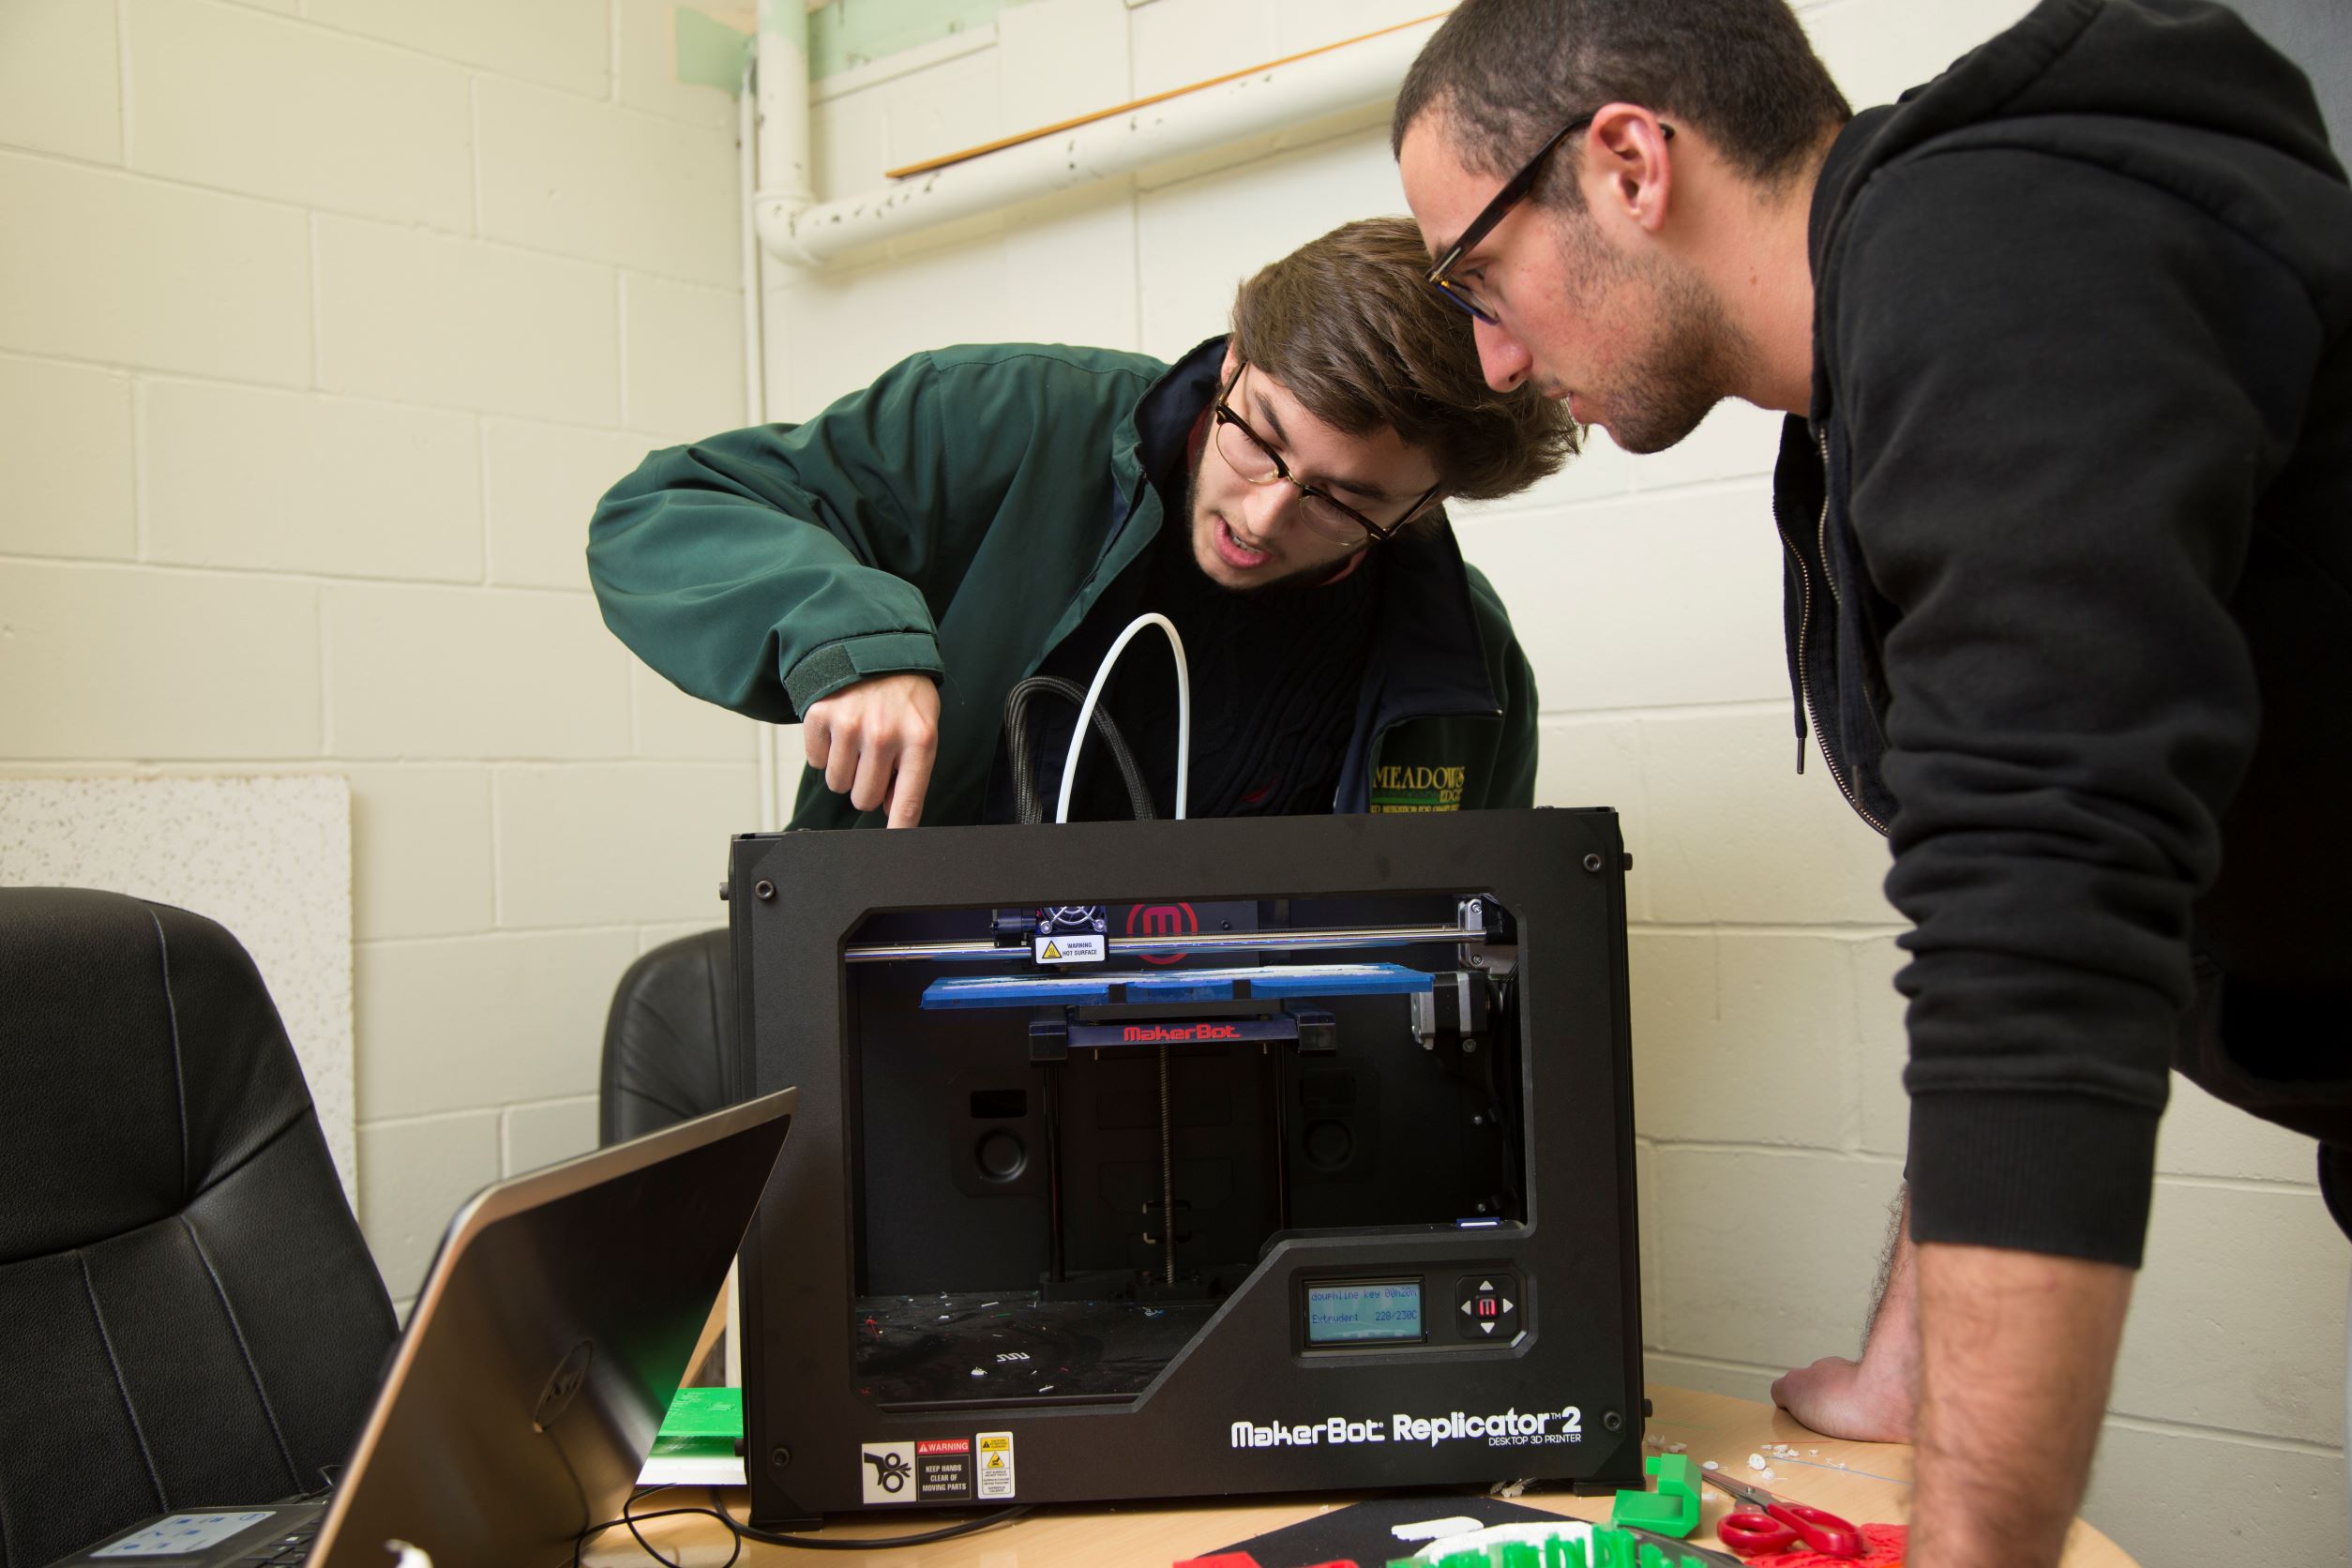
x: 1779, y: 1526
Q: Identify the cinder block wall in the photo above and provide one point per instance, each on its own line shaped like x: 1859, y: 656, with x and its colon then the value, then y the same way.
x: 323, y: 323
x: 1768, y: 1037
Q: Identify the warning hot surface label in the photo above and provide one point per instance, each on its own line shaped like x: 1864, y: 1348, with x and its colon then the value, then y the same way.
x: 996, y: 1463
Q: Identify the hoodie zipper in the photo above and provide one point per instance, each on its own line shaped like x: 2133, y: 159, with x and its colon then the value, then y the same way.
x: 1804, y: 626
x: 1822, y: 534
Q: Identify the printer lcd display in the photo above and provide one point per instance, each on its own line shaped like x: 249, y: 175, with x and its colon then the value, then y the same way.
x: 1350, y: 1312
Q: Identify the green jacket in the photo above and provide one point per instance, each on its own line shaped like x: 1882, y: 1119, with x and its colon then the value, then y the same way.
x: 961, y: 515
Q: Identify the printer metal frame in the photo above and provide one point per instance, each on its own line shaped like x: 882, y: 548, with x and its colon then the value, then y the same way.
x: 1246, y: 1407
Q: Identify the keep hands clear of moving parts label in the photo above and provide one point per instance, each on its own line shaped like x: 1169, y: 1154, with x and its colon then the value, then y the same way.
x: 937, y: 1470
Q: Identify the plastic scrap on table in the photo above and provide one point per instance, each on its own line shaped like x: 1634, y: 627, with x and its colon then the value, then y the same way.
x: 1883, y: 1547
x: 1568, y: 1544
x: 1672, y: 1509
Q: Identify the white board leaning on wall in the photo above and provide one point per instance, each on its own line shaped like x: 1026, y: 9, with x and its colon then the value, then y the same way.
x: 269, y: 858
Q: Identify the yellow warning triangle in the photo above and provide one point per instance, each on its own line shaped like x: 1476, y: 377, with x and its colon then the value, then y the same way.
x: 996, y: 1461
x: 1051, y: 953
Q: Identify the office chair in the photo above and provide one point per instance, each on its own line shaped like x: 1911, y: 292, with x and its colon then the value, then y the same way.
x: 669, y: 1039
x: 188, y: 1313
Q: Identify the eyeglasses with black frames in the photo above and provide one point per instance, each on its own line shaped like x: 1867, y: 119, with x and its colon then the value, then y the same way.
x: 1513, y: 192
x: 1249, y: 456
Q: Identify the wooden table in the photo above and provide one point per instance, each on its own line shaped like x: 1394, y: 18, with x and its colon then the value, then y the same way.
x: 1865, y: 1482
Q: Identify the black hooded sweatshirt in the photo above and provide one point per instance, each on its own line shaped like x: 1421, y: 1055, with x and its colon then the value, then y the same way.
x: 2070, y: 598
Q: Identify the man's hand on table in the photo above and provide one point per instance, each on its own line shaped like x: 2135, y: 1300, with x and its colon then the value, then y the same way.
x: 875, y: 741
x: 1875, y: 1400
x: 1842, y: 1398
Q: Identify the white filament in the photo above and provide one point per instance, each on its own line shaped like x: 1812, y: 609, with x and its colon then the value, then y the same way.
x: 1094, y: 692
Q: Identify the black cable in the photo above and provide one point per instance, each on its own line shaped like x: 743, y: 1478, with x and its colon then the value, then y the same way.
x: 811, y: 1543
x: 629, y: 1518
x: 579, y: 1542
x: 1029, y: 807
x: 716, y: 1509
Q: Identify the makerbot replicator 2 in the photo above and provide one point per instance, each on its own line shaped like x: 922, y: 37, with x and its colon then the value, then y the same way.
x: 1148, y: 1159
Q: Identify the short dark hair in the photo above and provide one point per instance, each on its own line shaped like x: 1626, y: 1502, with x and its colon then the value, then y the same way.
x: 1349, y: 325
x: 1508, y: 73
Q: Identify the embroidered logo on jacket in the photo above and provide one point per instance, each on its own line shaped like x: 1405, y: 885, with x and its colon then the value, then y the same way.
x: 1400, y: 787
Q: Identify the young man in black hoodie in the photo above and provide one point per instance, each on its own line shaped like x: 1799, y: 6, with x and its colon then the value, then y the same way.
x: 2065, y: 337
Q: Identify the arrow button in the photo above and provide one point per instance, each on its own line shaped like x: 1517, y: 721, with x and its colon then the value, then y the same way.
x: 1488, y: 1304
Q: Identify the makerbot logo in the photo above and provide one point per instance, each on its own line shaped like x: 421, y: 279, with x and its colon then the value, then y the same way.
x: 1168, y: 1035
x: 1163, y: 920
x: 1503, y: 1429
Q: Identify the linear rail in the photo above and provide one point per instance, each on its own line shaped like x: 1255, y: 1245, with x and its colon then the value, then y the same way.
x: 1205, y: 942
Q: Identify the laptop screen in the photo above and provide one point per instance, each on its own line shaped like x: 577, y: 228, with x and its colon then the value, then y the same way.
x: 548, y: 1339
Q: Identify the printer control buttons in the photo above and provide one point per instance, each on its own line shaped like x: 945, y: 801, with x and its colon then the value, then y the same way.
x: 1487, y: 1307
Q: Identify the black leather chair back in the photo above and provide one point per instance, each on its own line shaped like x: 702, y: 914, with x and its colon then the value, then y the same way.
x: 188, y: 1313
x: 669, y: 1037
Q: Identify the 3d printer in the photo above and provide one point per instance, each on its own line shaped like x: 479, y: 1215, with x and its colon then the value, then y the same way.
x: 1157, y: 1158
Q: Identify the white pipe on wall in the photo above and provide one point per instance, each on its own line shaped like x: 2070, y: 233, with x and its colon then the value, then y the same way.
x: 783, y: 76
x: 796, y: 228
x: 755, y: 374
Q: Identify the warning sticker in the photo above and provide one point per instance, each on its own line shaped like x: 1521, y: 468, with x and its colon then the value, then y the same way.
x: 888, y: 1472
x: 943, y: 1469
x: 1068, y: 949
x: 996, y: 1463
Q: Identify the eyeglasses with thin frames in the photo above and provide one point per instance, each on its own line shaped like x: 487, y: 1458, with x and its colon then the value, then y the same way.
x: 1250, y: 457
x: 1513, y: 192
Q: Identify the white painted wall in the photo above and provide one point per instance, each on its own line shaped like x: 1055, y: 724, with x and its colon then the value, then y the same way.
x: 322, y: 324
x: 1768, y: 1035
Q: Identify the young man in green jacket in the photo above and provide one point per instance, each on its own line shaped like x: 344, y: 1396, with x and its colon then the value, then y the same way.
x: 888, y: 572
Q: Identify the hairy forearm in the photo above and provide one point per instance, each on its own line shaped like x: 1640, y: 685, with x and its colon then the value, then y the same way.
x: 2016, y: 1353
x: 1875, y: 1398
x: 1888, y: 1376
x: 1894, y: 1333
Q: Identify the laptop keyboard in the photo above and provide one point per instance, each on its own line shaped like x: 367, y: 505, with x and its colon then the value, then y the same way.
x: 282, y: 1551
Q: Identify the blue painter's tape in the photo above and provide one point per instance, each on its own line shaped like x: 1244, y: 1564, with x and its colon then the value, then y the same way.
x: 1339, y: 980
x: 1201, y: 985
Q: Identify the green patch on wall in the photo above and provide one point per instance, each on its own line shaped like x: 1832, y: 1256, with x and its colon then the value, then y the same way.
x: 847, y: 33
x: 710, y: 52
x: 839, y: 33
